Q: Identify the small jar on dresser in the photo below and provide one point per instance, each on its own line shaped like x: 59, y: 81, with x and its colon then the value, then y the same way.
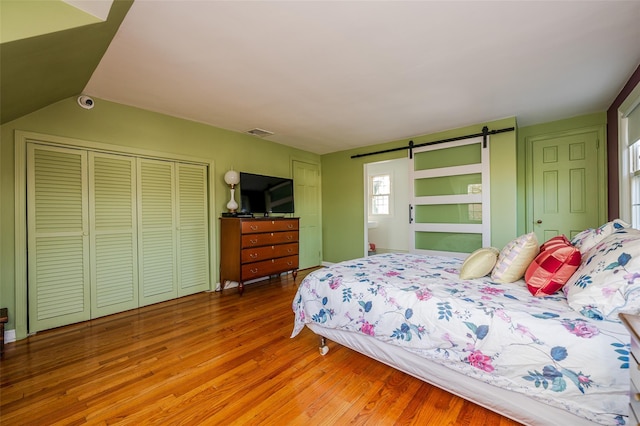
x: 253, y: 248
x: 632, y: 322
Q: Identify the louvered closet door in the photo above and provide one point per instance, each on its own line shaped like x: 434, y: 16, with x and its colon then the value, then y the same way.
x: 156, y: 231
x: 114, y: 253
x: 450, y: 198
x: 57, y: 226
x: 193, y: 230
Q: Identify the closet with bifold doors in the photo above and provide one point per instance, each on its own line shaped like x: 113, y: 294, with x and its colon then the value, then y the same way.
x: 109, y: 232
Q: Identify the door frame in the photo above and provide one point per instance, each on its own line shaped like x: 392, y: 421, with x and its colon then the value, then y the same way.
x: 601, y: 161
x: 402, y: 210
x: 20, y: 207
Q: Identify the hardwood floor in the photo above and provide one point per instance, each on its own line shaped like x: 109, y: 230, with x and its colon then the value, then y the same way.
x: 212, y: 358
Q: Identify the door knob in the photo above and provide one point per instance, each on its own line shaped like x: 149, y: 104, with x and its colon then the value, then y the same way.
x: 538, y: 221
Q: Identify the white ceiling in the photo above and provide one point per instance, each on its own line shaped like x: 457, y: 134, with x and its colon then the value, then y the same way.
x: 326, y: 76
x: 98, y: 8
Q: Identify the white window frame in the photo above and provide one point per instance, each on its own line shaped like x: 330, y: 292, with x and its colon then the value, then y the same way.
x: 389, y: 195
x: 627, y: 159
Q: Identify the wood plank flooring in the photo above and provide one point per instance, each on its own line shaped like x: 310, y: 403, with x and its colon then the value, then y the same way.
x: 212, y: 358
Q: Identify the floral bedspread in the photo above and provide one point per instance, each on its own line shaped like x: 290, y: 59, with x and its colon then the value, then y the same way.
x: 497, y: 333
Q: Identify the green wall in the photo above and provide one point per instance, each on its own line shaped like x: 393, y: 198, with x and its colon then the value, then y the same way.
x: 343, y: 189
x: 121, y: 125
x: 342, y: 177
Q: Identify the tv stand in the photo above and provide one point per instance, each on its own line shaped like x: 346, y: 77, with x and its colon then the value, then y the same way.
x: 253, y: 248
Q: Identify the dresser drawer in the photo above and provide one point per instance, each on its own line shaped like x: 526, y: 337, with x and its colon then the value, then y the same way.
x: 257, y: 240
x: 268, y: 252
x: 269, y: 267
x: 257, y: 226
x: 634, y: 403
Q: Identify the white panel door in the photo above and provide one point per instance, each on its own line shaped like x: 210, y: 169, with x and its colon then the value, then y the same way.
x: 58, y: 240
x: 193, y: 229
x: 156, y: 231
x: 114, y: 251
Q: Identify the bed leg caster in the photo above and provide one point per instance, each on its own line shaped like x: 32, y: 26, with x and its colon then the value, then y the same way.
x: 324, y: 349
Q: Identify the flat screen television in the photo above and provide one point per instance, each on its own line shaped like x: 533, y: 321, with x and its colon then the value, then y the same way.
x: 265, y: 194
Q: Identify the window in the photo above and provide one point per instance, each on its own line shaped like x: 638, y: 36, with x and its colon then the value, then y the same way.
x: 380, y: 194
x: 634, y: 175
x: 629, y: 126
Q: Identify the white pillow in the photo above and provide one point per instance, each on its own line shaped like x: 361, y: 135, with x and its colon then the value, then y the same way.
x: 515, y: 258
x: 588, y: 238
x: 479, y: 263
x: 608, y: 280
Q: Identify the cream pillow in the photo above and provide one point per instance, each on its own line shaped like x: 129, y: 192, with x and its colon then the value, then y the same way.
x: 515, y: 258
x: 479, y: 263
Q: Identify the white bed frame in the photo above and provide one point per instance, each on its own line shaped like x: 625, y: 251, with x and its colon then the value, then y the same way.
x: 510, y: 404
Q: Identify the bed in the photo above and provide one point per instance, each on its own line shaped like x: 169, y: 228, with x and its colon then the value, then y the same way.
x: 553, y: 359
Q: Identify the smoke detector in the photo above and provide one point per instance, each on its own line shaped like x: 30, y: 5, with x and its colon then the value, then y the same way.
x: 261, y: 133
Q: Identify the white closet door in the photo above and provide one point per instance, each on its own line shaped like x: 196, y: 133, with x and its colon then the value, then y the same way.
x: 114, y: 253
x: 450, y: 198
x: 57, y: 226
x: 156, y: 231
x: 193, y: 229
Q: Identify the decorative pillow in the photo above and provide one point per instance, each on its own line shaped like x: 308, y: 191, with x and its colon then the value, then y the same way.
x: 514, y: 259
x: 608, y: 280
x: 588, y: 238
x: 552, y: 267
x: 479, y: 263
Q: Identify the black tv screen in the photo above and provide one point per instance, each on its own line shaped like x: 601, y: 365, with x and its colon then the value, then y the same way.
x: 265, y: 194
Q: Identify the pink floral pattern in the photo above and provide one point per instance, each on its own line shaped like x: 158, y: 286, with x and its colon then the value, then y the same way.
x: 497, y: 333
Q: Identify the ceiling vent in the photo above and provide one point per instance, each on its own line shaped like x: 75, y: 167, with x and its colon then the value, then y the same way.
x: 261, y: 133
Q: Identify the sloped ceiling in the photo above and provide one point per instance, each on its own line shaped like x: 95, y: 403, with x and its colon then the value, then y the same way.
x: 53, y: 55
x: 325, y: 76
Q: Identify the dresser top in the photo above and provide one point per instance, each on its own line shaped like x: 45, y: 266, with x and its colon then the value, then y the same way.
x: 269, y: 218
x: 632, y: 322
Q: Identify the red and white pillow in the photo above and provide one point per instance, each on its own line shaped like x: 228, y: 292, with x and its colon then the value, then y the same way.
x: 553, y: 266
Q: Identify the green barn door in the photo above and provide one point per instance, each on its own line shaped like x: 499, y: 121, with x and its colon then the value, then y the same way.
x: 58, y: 236
x: 193, y: 229
x: 450, y: 198
x: 156, y: 231
x: 114, y: 252
x: 565, y: 184
x: 307, y: 204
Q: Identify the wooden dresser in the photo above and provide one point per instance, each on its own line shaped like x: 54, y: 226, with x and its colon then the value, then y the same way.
x: 632, y: 322
x: 253, y: 248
